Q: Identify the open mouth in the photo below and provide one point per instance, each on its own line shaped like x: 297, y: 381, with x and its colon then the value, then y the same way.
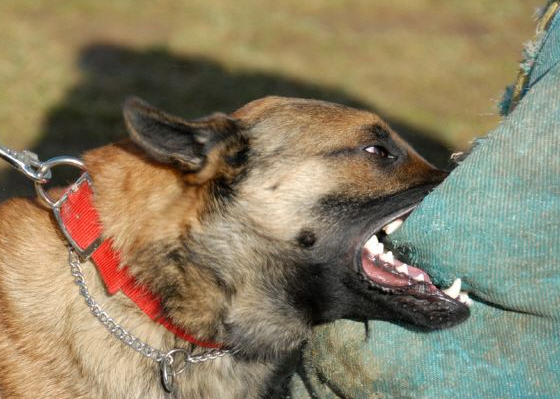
x: 384, y: 271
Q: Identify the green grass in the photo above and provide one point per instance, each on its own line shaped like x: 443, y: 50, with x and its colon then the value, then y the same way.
x: 435, y: 69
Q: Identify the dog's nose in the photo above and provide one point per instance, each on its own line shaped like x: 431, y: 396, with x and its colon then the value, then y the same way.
x: 438, y: 175
x: 430, y: 175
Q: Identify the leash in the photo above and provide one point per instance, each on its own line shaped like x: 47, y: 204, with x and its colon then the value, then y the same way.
x: 79, y: 222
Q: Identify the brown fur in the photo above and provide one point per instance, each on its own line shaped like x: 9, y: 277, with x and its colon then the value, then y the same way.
x: 216, y: 240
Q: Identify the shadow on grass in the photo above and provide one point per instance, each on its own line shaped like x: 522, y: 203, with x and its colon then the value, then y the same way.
x: 90, y: 114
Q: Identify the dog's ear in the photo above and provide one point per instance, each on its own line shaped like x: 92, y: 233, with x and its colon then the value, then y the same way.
x: 173, y: 140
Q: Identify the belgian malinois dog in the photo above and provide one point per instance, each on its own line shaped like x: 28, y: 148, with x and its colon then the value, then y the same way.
x: 250, y: 228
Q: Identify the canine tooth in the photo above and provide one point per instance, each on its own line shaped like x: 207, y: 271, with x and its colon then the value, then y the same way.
x: 454, y: 290
x: 464, y: 298
x: 391, y: 227
x: 419, y: 277
x: 388, y: 257
x: 402, y: 269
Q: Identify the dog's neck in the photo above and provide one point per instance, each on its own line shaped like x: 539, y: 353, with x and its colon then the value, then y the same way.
x: 157, y: 227
x: 148, y: 228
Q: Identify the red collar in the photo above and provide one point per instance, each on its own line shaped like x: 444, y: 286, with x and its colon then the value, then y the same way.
x: 80, y: 223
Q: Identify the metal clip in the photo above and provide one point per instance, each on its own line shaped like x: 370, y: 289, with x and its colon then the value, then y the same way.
x: 169, y: 368
x: 27, y: 163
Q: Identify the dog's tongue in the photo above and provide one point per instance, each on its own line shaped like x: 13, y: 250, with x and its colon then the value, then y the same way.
x: 391, y: 272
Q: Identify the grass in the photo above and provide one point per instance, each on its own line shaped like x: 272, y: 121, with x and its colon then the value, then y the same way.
x: 435, y: 69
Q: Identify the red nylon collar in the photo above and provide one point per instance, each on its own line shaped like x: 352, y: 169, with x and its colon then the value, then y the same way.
x: 80, y: 223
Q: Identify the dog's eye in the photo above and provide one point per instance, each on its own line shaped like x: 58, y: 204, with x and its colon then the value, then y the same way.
x: 379, y: 151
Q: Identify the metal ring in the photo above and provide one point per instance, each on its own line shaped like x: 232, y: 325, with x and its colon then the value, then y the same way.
x: 46, y: 167
x: 167, y: 376
x: 186, y: 359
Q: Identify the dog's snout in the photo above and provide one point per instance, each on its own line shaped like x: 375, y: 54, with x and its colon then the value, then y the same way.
x: 437, y: 176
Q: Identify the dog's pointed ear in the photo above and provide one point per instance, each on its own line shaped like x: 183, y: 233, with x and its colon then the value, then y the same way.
x: 173, y: 140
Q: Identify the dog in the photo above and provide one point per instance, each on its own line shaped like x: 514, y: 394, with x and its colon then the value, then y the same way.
x: 249, y: 228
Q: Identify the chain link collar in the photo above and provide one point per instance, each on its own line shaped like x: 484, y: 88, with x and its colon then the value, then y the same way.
x: 171, y: 363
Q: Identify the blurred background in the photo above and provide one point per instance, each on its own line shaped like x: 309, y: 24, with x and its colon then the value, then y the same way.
x: 435, y: 69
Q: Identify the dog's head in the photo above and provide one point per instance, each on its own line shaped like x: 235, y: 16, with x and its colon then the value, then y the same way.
x: 292, y: 198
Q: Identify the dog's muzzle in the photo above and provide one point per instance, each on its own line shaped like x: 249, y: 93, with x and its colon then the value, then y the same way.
x: 410, y: 291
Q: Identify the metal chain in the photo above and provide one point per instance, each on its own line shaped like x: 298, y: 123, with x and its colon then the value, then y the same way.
x: 170, y: 365
x: 114, y: 328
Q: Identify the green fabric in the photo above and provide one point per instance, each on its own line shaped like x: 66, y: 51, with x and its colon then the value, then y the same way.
x: 495, y: 223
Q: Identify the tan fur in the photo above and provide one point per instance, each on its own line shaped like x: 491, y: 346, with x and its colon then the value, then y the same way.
x: 51, y: 346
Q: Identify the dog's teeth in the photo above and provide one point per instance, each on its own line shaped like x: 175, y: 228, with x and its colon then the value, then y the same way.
x: 464, y: 298
x: 454, y: 290
x: 394, y: 225
x: 402, y: 269
x: 388, y: 257
x: 419, y: 277
x: 371, y: 244
x: 377, y: 249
